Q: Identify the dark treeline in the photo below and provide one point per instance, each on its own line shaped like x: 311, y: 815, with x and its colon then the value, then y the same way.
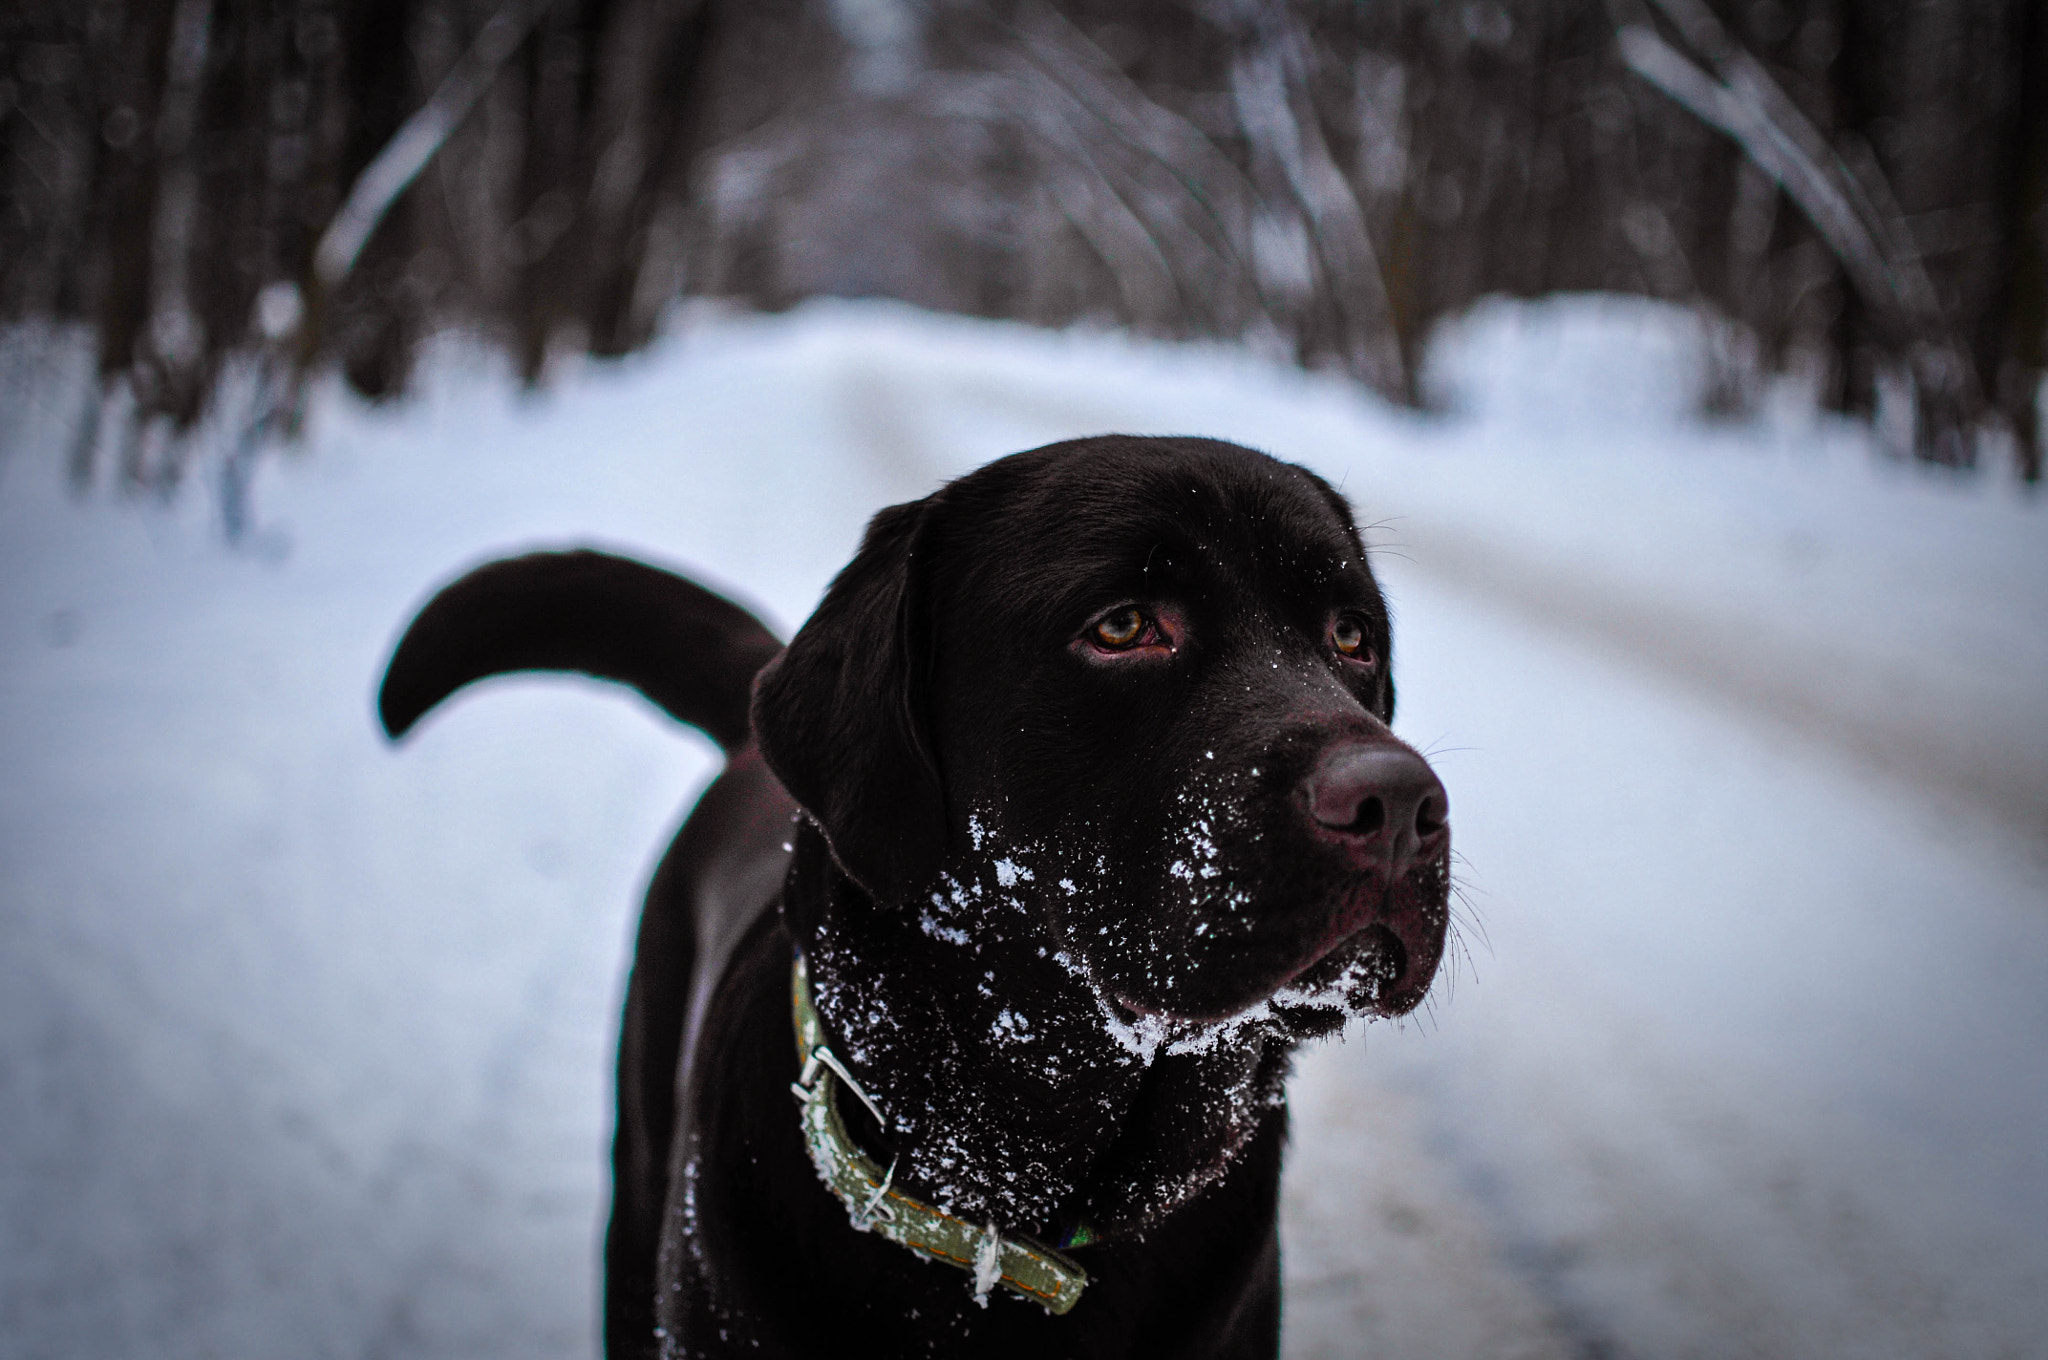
x: 1853, y: 187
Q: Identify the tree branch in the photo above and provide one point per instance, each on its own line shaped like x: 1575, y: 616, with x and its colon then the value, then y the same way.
x: 420, y: 138
x: 1778, y: 154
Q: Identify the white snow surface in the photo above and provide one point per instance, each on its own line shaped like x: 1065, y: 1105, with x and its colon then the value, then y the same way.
x: 305, y: 1040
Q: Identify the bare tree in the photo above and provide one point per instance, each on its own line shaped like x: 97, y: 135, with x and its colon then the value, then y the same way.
x: 221, y: 189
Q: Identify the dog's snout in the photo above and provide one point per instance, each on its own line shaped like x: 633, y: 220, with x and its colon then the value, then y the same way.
x: 1382, y: 795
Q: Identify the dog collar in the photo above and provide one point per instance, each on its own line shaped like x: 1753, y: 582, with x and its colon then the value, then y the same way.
x: 1018, y: 1264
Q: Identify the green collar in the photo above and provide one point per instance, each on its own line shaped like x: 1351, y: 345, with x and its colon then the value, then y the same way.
x: 1018, y: 1264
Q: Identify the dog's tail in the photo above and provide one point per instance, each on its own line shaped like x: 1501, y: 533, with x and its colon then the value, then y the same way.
x: 690, y: 651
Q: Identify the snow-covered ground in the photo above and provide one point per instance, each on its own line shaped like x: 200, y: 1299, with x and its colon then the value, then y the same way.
x: 305, y: 1041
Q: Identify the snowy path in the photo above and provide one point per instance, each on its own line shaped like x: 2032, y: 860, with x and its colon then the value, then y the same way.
x: 304, y: 1042
x: 1753, y: 1065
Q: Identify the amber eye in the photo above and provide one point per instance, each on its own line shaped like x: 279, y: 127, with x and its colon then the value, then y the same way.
x: 1347, y: 635
x: 1120, y: 628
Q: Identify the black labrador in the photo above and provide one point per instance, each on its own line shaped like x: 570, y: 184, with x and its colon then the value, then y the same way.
x: 964, y: 999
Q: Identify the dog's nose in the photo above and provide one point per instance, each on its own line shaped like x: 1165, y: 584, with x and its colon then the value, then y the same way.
x: 1382, y: 794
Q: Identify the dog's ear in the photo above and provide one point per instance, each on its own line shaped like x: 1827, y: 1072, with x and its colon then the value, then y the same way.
x: 840, y: 715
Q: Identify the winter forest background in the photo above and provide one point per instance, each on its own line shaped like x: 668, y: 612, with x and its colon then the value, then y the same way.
x: 1683, y: 362
x: 1855, y: 189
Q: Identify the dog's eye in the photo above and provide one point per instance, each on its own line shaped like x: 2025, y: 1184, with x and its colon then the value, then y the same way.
x: 1347, y: 635
x: 1120, y: 628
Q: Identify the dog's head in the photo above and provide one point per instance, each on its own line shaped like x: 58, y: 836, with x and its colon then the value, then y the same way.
x: 1143, y: 686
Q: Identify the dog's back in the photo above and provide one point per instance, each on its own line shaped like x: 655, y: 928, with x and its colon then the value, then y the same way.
x: 695, y: 655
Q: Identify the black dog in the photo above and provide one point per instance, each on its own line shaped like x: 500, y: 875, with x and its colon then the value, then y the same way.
x: 1068, y: 814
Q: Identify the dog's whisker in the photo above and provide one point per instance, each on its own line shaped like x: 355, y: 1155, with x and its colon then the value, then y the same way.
x: 1458, y: 948
x: 1466, y: 917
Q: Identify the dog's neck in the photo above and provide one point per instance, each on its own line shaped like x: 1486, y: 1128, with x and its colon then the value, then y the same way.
x: 1014, y: 1093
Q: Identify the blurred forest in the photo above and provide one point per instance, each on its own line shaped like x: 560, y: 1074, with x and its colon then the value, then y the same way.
x: 237, y: 195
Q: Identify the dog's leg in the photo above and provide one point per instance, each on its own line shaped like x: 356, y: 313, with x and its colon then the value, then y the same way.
x: 650, y: 1043
x: 719, y: 876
